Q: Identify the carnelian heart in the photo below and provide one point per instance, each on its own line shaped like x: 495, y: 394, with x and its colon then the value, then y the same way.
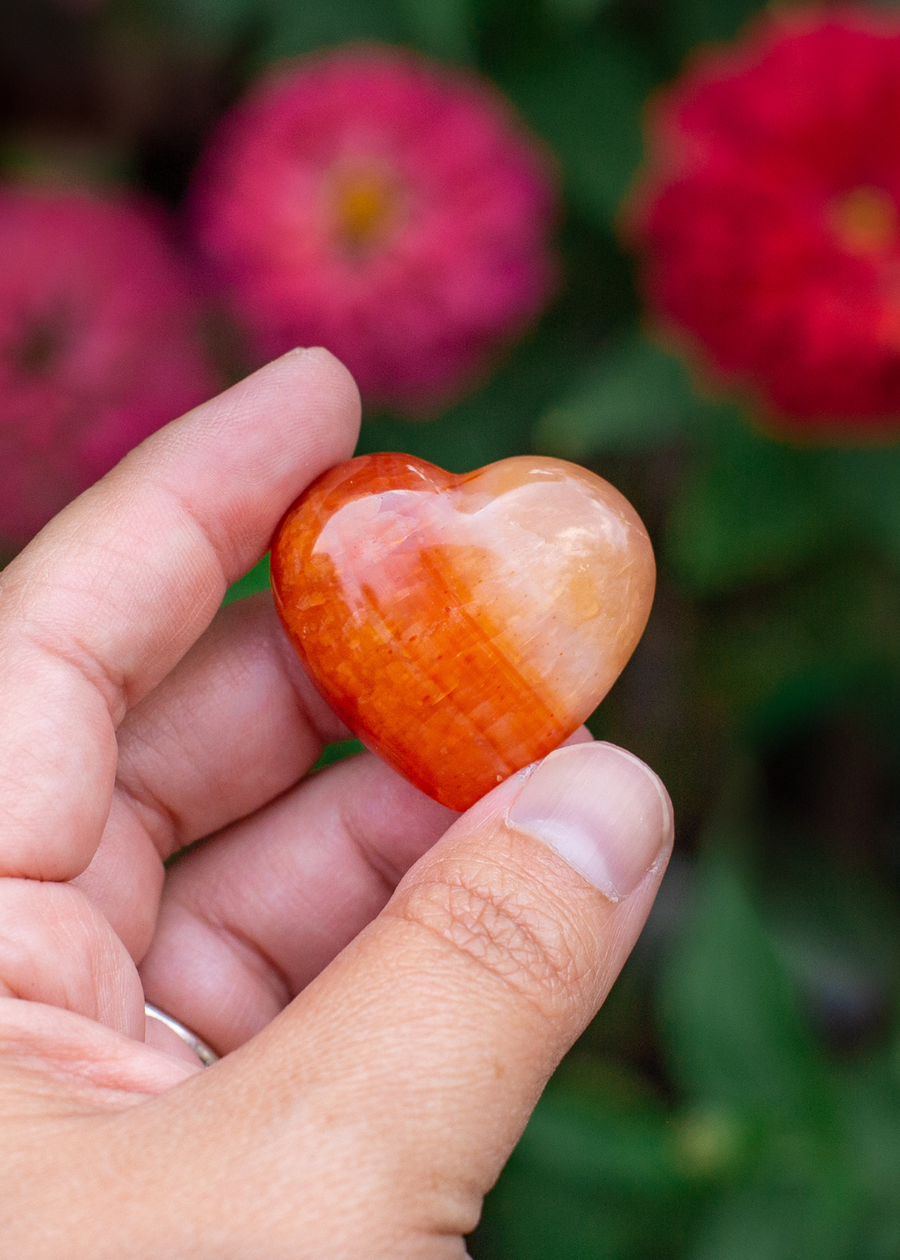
x: 462, y: 626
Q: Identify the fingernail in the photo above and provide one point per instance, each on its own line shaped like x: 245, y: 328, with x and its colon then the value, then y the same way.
x: 601, y: 809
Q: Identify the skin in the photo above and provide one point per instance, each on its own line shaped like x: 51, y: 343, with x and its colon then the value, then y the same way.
x: 390, y: 985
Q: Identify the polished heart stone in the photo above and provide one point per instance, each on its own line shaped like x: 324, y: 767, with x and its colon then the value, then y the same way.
x: 462, y: 626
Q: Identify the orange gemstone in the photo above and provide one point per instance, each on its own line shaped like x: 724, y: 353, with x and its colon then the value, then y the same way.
x: 462, y: 626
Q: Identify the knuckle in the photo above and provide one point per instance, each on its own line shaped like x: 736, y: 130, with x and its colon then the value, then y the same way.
x: 512, y: 931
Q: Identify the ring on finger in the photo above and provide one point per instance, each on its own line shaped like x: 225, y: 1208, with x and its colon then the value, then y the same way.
x: 204, y: 1053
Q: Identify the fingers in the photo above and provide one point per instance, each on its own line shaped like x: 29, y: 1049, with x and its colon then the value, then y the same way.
x: 113, y: 592
x: 250, y: 918
x: 91, y: 1069
x: 234, y: 725
x: 57, y: 948
x: 93, y: 614
x: 393, y: 1089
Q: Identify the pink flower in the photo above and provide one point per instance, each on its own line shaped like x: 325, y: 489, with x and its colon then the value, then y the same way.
x: 386, y: 208
x: 770, y: 216
x: 99, y: 345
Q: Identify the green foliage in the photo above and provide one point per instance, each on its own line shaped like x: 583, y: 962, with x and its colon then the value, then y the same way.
x: 703, y: 21
x: 576, y: 12
x: 338, y: 752
x: 769, y: 1154
x: 492, y: 423
x: 256, y: 580
x: 600, y: 1172
x: 734, y: 1032
x: 587, y: 105
x: 297, y: 26
x: 866, y: 486
x: 633, y: 398
x: 440, y: 27
x: 750, y: 508
x: 214, y: 22
x: 870, y: 1099
x: 769, y: 1221
x: 812, y: 644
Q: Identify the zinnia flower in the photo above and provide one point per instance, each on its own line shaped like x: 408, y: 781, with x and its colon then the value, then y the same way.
x: 770, y: 216
x: 386, y: 208
x: 98, y: 345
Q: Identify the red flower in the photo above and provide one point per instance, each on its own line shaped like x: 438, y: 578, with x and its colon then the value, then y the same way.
x: 98, y: 345
x: 384, y: 207
x: 770, y: 216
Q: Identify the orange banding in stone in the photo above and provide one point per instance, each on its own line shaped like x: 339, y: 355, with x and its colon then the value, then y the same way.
x: 446, y: 618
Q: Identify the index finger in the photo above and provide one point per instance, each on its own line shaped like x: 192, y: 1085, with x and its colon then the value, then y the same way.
x: 105, y: 601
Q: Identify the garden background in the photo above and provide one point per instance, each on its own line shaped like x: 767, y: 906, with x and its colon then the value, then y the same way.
x: 739, y: 1096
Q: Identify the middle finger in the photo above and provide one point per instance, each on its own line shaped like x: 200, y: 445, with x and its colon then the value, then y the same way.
x: 234, y: 725
x: 252, y: 915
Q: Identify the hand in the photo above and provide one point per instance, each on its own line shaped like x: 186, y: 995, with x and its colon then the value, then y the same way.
x: 390, y: 985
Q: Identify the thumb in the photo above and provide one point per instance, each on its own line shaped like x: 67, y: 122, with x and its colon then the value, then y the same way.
x: 369, y: 1119
x: 411, y: 1065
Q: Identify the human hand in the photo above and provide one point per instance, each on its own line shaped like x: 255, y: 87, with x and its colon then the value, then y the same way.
x: 389, y: 1007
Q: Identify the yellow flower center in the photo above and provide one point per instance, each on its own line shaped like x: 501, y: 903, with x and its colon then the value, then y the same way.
x: 366, y: 208
x: 865, y: 220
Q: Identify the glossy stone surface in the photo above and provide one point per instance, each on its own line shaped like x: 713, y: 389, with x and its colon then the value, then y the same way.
x: 462, y: 626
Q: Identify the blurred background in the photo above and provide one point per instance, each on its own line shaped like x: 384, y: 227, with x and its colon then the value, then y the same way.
x: 657, y: 237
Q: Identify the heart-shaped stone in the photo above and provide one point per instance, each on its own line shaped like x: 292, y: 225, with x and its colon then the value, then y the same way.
x: 462, y: 626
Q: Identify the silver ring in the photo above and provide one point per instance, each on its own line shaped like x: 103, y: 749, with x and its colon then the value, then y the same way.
x: 204, y: 1053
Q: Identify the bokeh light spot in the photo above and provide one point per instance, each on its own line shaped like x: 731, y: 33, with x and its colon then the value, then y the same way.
x: 865, y: 220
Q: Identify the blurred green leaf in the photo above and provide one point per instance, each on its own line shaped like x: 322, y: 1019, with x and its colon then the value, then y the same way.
x: 700, y: 21
x: 628, y: 1151
x: 636, y: 397
x: 871, y: 1102
x: 782, y: 658
x: 211, y: 21
x: 733, y: 1029
x: 333, y: 753
x: 769, y: 1221
x: 837, y: 930
x: 587, y: 106
x: 866, y: 485
x: 599, y: 1172
x: 870, y: 1097
x: 440, y: 27
x: 491, y: 424
x: 301, y: 26
x: 576, y: 12
x: 750, y: 510
x: 534, y: 1218
x: 256, y: 580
